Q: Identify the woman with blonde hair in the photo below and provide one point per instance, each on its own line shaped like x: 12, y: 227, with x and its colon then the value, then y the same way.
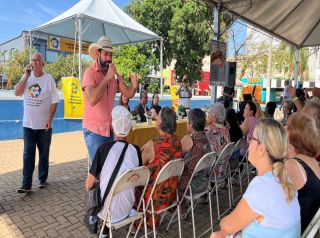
x: 303, y: 168
x: 269, y: 207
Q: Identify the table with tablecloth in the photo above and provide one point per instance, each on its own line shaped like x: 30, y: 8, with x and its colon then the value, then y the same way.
x: 142, y: 132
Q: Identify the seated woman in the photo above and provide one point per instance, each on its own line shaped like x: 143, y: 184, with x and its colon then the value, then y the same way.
x: 194, y: 146
x: 234, y: 128
x: 155, y: 108
x: 269, y: 208
x: 250, y: 122
x: 124, y: 101
x: 303, y: 168
x: 217, y: 134
x: 157, y: 153
x: 235, y: 135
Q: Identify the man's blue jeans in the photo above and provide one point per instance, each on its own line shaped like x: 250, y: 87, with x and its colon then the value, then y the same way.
x: 93, y: 142
x: 32, y: 139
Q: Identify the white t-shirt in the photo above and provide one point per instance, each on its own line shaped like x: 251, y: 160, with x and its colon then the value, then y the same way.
x: 266, y: 197
x: 39, y: 94
x: 184, y: 98
x: 104, y: 164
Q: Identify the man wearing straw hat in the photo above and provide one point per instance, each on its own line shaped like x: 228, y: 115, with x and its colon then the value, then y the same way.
x: 100, y: 85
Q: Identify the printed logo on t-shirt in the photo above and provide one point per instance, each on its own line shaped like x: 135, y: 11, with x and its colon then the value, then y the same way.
x: 35, y: 91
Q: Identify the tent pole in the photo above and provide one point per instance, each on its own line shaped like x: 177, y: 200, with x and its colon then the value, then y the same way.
x: 80, y: 46
x: 30, y: 45
x: 216, y: 36
x: 161, y: 67
x: 296, y: 65
x: 269, y: 70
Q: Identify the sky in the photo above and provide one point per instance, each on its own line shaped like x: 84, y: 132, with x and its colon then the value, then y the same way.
x: 19, y: 15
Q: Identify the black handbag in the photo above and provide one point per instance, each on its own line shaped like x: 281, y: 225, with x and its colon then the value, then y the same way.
x: 93, y: 202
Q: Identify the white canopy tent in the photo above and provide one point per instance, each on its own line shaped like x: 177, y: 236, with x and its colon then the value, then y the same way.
x: 91, y: 19
x: 294, y: 21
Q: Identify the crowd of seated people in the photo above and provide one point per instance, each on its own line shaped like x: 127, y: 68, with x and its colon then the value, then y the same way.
x: 281, y: 199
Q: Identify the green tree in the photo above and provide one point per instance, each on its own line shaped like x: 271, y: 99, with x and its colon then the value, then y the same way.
x: 15, y: 67
x: 154, y: 86
x: 284, y: 61
x: 130, y: 59
x: 185, y: 27
x: 62, y: 67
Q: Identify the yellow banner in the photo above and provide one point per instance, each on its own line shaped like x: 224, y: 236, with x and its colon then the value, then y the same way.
x: 64, y: 44
x: 73, y: 98
x: 174, y: 97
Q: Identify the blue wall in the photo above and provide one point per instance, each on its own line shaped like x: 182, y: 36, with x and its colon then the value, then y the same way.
x: 12, y: 113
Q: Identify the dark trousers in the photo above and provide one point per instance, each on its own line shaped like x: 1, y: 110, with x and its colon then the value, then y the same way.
x: 32, y: 139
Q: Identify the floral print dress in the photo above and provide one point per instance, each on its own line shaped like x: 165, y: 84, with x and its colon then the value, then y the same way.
x: 166, y: 147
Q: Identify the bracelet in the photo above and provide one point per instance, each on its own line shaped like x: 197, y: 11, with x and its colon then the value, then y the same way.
x: 294, y: 99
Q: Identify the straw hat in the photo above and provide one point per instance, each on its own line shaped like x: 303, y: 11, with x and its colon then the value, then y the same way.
x: 121, y: 121
x: 103, y: 43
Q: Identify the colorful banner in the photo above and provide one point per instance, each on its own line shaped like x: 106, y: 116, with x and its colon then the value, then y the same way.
x: 64, y: 44
x: 174, y: 97
x: 73, y: 98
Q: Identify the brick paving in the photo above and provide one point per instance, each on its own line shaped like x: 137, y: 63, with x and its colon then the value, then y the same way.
x: 57, y: 211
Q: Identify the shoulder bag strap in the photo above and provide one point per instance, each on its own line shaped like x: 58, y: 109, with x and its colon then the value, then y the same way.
x: 114, y: 173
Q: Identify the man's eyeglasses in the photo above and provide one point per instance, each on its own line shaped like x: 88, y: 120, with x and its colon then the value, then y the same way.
x: 251, y: 137
x: 35, y: 60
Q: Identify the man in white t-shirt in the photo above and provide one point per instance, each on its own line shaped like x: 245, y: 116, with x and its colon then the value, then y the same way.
x: 286, y: 95
x: 105, y: 161
x: 185, y: 92
x: 40, y: 101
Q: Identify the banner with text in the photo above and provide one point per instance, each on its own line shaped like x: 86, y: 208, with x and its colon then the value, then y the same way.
x: 73, y: 98
x: 174, y: 97
x: 66, y: 45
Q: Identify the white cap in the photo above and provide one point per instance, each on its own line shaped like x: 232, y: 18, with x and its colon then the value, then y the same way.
x: 121, y: 121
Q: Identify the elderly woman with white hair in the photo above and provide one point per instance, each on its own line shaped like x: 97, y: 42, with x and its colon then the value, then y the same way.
x: 217, y: 134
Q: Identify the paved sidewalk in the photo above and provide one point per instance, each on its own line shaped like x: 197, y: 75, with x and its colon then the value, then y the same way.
x: 57, y: 211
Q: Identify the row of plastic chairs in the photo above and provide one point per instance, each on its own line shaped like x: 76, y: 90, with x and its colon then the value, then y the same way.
x: 140, y: 177
x: 209, y: 163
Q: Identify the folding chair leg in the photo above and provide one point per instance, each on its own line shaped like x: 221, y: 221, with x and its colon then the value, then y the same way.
x: 153, y: 220
x: 217, y: 199
x: 179, y: 216
x: 210, y: 207
x: 101, y: 230
x: 192, y: 214
x: 162, y: 217
x: 232, y: 197
x: 171, y: 219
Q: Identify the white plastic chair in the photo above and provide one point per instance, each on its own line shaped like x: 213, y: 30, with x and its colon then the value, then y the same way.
x: 313, y: 229
x: 216, y: 180
x: 173, y: 168
x: 205, y: 163
x: 236, y: 170
x: 132, y: 178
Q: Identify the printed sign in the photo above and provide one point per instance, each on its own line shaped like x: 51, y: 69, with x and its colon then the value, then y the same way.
x: 73, y: 98
x: 66, y: 45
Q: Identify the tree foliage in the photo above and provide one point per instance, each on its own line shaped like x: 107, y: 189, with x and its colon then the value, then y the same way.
x: 284, y: 61
x: 130, y: 59
x: 185, y: 27
x: 154, y: 86
x: 63, y: 67
x: 15, y: 67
